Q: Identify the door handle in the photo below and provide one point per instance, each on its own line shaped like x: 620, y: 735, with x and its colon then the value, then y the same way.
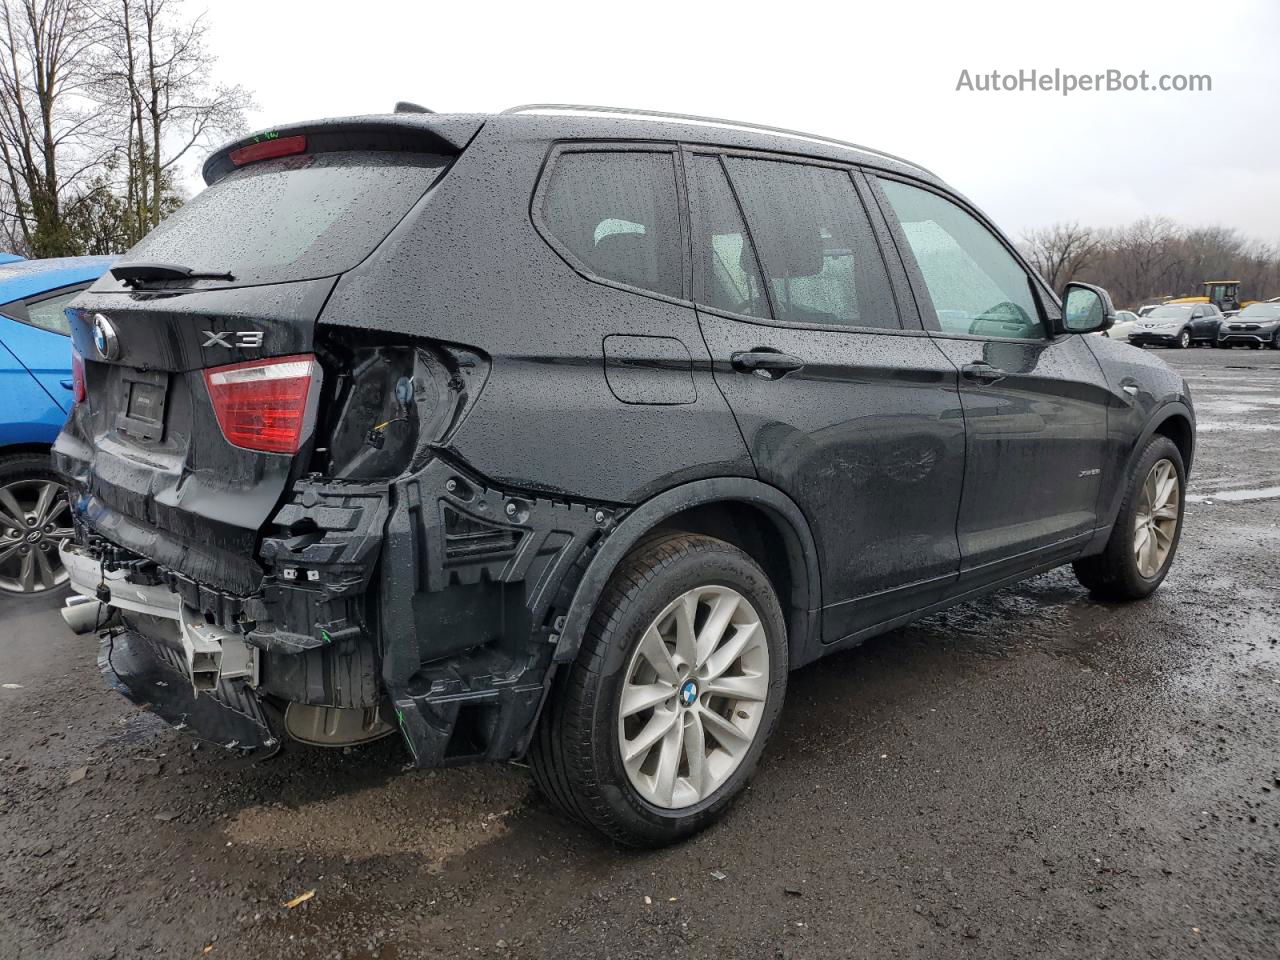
x: 769, y: 364
x: 67, y: 384
x: 982, y: 372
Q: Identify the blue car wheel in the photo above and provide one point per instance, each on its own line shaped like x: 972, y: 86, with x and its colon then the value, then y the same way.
x: 34, y: 518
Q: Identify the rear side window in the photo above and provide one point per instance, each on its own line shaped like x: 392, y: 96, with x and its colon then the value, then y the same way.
x: 976, y: 285
x: 47, y: 314
x: 44, y: 311
x: 617, y: 215
x: 820, y: 259
x: 293, y: 218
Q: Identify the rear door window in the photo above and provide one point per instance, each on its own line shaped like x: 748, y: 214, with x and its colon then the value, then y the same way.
x: 727, y: 272
x: 821, y: 263
x: 293, y: 218
x: 615, y: 216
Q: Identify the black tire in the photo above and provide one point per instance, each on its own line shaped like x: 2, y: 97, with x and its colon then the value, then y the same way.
x: 1113, y: 574
x: 575, y: 755
x: 1255, y: 346
x: 21, y: 469
x: 1184, y: 340
x: 1275, y: 341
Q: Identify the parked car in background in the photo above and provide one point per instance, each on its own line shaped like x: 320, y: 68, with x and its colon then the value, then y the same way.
x: 1179, y: 326
x: 571, y: 435
x: 1255, y: 325
x: 1120, y: 330
x: 36, y: 391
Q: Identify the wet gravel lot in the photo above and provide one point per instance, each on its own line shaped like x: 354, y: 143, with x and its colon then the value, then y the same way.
x: 1031, y: 775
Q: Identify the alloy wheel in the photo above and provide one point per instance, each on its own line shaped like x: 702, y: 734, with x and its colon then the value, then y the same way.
x: 1156, y: 521
x: 34, y: 518
x: 693, y: 696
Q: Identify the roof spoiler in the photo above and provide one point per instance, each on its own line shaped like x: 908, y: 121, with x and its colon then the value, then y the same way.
x: 408, y: 132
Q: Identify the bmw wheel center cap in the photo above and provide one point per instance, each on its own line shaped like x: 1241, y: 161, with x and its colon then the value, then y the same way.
x: 688, y: 693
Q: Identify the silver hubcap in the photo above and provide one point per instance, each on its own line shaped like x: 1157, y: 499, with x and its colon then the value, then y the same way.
x: 1156, y: 520
x: 34, y: 519
x: 693, y: 697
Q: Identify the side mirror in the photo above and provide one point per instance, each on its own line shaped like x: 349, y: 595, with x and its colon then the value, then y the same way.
x: 1086, y: 309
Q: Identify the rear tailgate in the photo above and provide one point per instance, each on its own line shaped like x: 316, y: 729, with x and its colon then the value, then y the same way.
x: 156, y: 473
x: 156, y: 470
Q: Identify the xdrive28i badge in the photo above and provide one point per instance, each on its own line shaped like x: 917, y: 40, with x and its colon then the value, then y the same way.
x: 105, y: 340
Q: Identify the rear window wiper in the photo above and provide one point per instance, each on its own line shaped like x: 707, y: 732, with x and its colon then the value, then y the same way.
x: 136, y: 274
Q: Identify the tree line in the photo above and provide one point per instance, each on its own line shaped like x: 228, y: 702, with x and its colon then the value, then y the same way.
x: 1152, y: 259
x: 103, y: 105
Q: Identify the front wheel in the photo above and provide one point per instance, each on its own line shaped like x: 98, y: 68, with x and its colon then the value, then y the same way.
x: 662, y: 718
x: 1147, y: 529
x: 1184, y: 340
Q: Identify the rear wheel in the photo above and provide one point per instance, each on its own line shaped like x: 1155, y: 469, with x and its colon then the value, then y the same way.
x: 34, y: 519
x: 1147, y: 529
x: 661, y: 720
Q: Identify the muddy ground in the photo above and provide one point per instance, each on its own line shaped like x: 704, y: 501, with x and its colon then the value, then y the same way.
x: 1032, y: 775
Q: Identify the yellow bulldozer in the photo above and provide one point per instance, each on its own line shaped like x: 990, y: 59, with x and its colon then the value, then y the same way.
x: 1223, y: 294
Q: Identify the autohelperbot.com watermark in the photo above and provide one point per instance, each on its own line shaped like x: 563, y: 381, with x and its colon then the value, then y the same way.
x: 1065, y: 82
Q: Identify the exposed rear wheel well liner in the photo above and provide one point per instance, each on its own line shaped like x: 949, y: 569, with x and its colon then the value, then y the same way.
x: 754, y: 516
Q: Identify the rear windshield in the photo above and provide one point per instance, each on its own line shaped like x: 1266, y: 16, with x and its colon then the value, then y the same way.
x: 293, y: 218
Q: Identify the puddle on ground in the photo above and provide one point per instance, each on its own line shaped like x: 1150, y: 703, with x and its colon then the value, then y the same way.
x: 1211, y: 426
x: 1236, y: 496
x: 422, y: 813
x: 1236, y: 406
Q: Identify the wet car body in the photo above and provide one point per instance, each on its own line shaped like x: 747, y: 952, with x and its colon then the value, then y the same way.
x: 495, y: 424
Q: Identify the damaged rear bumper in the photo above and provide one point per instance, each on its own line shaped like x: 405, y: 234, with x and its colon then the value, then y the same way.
x: 152, y: 675
x: 192, y: 674
x: 431, y: 603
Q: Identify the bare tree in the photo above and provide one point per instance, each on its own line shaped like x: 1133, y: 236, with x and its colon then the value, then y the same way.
x: 48, y: 129
x: 1060, y: 252
x: 154, y: 75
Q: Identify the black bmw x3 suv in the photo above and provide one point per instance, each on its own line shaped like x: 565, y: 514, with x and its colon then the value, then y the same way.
x: 567, y: 433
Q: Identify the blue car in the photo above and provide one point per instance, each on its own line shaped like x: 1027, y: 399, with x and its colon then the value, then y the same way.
x: 36, y: 392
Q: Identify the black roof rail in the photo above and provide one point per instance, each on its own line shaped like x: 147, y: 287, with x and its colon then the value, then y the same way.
x: 629, y: 112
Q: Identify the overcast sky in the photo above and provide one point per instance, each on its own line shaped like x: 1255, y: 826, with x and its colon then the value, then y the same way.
x: 884, y: 76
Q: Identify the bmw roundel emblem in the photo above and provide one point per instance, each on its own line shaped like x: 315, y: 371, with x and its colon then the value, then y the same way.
x: 688, y: 693
x: 104, y: 338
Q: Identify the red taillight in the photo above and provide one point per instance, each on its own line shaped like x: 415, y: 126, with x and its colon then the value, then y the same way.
x: 266, y: 149
x: 263, y: 404
x: 77, y: 376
